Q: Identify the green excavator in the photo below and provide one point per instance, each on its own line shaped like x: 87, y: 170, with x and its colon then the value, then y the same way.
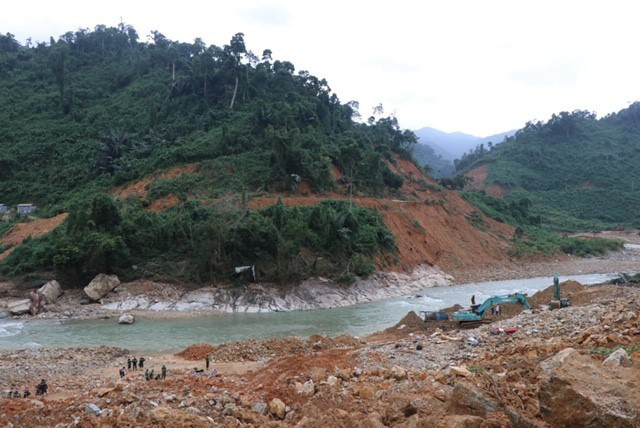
x: 477, y: 312
x: 558, y: 302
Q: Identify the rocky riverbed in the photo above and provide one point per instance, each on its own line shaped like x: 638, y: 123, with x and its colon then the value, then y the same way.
x: 554, y: 368
x: 160, y: 300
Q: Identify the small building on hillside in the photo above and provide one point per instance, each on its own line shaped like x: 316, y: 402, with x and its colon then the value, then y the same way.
x: 3, y: 209
x: 26, y: 209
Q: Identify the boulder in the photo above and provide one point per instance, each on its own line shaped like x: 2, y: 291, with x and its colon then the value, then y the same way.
x: 308, y: 388
x: 458, y: 421
x: 126, y: 319
x: 277, y: 408
x: 398, y: 373
x: 19, y: 307
x: 100, y: 286
x: 617, y: 359
x: 576, y: 390
x: 92, y: 408
x: 466, y: 399
x: 51, y: 291
x: 259, y: 407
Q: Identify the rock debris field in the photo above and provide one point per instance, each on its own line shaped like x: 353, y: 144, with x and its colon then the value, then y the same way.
x: 577, y: 366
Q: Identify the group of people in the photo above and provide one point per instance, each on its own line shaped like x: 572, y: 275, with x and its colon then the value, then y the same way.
x: 134, y: 363
x: 41, y: 389
x: 148, y: 375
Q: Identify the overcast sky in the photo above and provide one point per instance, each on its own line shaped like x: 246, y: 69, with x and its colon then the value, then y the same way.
x: 479, y: 67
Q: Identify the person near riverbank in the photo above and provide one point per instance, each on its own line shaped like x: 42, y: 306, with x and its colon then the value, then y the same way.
x: 208, y: 361
x: 27, y: 393
x: 134, y: 363
x: 146, y: 374
x: 141, y: 363
x: 129, y: 363
x: 10, y: 395
x: 43, y: 388
x: 122, y: 372
x: 16, y: 393
x: 164, y: 371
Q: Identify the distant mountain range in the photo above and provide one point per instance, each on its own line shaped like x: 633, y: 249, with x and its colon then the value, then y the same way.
x: 452, y: 145
x: 437, y: 149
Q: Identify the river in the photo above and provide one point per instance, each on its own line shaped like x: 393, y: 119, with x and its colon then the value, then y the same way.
x: 174, y: 334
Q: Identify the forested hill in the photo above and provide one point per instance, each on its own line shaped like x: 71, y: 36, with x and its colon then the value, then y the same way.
x: 94, y: 109
x: 574, y: 165
x: 97, y: 111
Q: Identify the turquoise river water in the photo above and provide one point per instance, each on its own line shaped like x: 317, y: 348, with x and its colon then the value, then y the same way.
x: 174, y: 334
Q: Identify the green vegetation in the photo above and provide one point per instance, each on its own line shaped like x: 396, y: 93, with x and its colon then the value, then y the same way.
x: 608, y: 351
x: 199, y: 243
x: 578, y: 171
x: 530, y: 238
x: 97, y: 109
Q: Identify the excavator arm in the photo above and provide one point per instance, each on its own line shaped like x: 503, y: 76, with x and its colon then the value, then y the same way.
x: 481, y: 310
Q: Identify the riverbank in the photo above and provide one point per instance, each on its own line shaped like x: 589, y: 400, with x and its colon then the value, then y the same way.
x: 408, y: 375
x: 154, y: 300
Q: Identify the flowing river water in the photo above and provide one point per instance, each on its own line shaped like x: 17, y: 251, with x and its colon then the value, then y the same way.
x: 174, y: 334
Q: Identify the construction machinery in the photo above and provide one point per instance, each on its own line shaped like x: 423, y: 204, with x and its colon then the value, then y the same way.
x: 477, y: 312
x: 557, y: 301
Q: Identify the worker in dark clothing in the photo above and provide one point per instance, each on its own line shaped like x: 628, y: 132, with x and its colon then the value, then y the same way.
x: 134, y: 363
x: 208, y: 360
x: 129, y: 363
x: 146, y: 374
x: 11, y: 391
x: 158, y: 376
x: 141, y: 363
x: 473, y: 299
x: 27, y: 393
x: 151, y: 375
x: 164, y: 371
x: 16, y: 394
x: 122, y: 372
x: 43, y: 388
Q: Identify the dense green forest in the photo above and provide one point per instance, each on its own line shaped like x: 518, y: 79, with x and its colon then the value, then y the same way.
x: 578, y: 171
x: 95, y: 109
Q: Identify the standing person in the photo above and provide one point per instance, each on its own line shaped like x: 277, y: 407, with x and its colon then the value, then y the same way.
x: 473, y: 299
x: 134, y: 363
x: 164, y: 371
x: 43, y: 388
x: 498, y: 309
x: 129, y: 363
x: 146, y: 374
x: 11, y: 391
x: 208, y: 360
x: 122, y: 372
x: 27, y: 393
x: 141, y: 363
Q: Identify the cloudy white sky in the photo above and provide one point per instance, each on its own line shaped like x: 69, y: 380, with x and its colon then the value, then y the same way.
x: 479, y: 67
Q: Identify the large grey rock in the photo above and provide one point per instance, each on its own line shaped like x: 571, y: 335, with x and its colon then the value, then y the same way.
x: 19, y: 307
x: 126, y: 319
x: 466, y: 399
x: 618, y: 358
x: 259, y: 407
x: 101, y: 285
x: 92, y: 408
x: 51, y: 291
x: 576, y: 390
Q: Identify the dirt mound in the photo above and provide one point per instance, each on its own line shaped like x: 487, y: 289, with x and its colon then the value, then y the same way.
x: 411, y: 320
x: 199, y: 351
x: 567, y: 289
x: 256, y: 350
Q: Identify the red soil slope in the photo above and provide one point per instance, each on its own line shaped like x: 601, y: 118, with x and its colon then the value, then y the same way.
x: 34, y: 228
x: 479, y: 176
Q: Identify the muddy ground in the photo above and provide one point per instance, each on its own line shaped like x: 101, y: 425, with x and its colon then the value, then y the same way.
x: 549, y: 372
